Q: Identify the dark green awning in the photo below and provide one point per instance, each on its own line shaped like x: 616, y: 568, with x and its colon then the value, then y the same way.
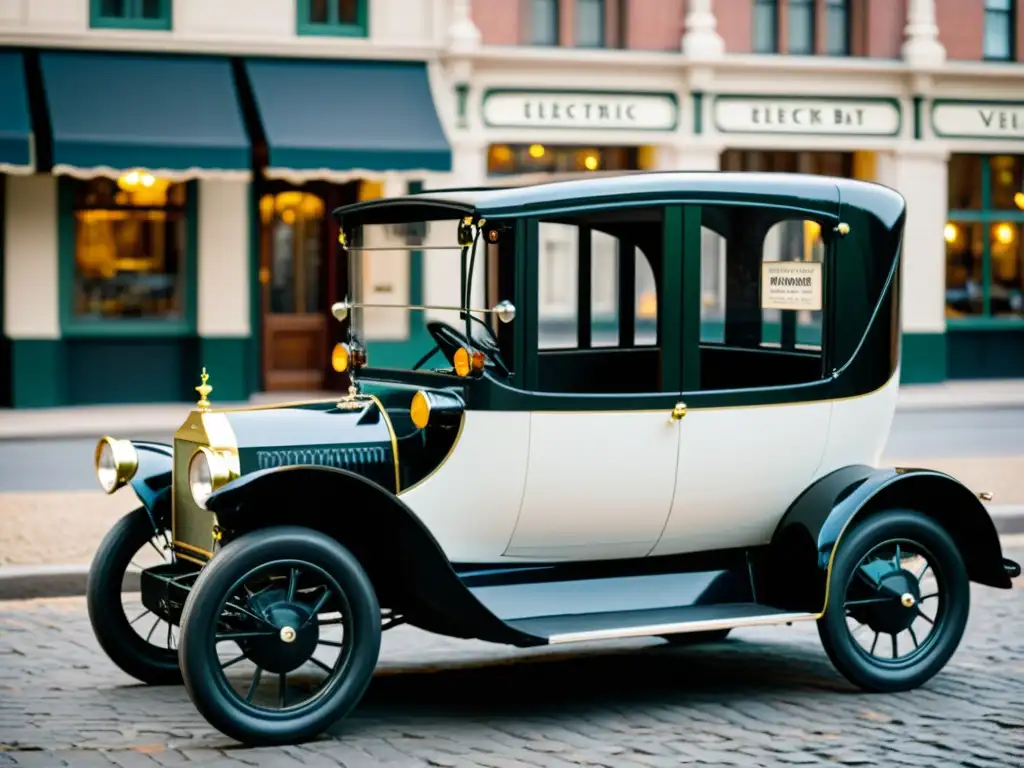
x: 172, y: 115
x: 16, y: 147
x: 329, y: 118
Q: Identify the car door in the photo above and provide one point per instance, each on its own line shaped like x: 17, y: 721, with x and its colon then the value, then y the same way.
x: 603, y: 446
x: 755, y: 432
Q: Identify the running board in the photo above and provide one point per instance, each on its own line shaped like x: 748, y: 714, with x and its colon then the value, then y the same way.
x: 578, y: 628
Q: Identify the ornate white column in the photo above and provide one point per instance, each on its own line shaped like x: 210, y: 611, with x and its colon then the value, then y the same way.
x: 921, y: 46
x: 463, y: 35
x: 700, y: 38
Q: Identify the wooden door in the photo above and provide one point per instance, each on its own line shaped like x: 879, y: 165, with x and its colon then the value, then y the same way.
x: 293, y: 264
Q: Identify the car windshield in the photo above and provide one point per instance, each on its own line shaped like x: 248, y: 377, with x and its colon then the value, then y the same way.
x: 409, y: 285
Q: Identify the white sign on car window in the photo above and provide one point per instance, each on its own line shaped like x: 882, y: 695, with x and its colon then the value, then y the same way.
x: 791, y: 285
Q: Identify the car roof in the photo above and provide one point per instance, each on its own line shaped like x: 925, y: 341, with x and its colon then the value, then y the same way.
x: 653, y: 187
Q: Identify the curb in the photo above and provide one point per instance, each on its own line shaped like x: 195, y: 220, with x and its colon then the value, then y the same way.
x: 25, y: 582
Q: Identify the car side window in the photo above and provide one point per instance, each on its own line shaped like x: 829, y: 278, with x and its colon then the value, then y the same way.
x: 762, y: 297
x: 597, y: 299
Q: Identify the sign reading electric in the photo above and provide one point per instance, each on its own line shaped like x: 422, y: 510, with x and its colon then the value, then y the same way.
x: 583, y: 110
x: 752, y: 114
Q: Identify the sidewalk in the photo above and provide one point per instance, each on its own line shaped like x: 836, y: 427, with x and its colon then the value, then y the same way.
x: 164, y: 418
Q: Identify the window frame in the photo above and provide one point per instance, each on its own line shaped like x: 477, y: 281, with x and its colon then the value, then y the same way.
x: 773, y: 7
x: 332, y: 28
x: 72, y: 326
x: 603, y: 42
x: 133, y: 17
x: 986, y: 215
x: 556, y: 6
x: 1010, y: 15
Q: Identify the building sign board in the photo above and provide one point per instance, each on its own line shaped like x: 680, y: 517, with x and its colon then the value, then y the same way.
x: 581, y: 110
x: 791, y: 285
x: 807, y: 115
x: 978, y: 119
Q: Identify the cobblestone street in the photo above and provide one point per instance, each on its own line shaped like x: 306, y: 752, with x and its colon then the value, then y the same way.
x: 768, y: 697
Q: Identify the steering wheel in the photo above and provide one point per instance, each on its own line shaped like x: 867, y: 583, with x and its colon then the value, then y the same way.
x: 448, y: 340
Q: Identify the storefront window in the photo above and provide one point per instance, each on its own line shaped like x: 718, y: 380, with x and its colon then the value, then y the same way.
x: 543, y: 22
x: 590, y: 24
x: 507, y: 160
x: 984, y: 255
x: 800, y: 27
x: 999, y: 31
x: 131, y: 241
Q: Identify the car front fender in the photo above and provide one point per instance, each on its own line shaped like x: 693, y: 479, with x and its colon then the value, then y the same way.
x: 152, y: 481
x: 408, y: 567
x: 804, y: 544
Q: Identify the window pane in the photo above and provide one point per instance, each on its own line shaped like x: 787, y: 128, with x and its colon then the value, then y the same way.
x: 645, y: 327
x: 765, y: 30
x: 793, y: 240
x: 114, y: 9
x: 318, y: 13
x: 348, y: 11
x: 998, y: 5
x: 963, y: 269
x: 964, y: 182
x: 557, y: 310
x: 837, y: 39
x: 1007, y: 297
x: 604, y: 290
x: 712, y: 286
x: 800, y: 27
x: 130, y: 249
x: 997, y: 35
x: 544, y: 22
x: 151, y: 9
x: 590, y: 23
x: 1005, y: 182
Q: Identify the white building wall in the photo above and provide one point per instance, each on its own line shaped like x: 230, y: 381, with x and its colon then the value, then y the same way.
x: 31, y: 276
x: 223, y: 254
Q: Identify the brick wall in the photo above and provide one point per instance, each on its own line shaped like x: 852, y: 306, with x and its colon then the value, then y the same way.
x: 500, y: 21
x: 735, y: 24
x: 961, y: 26
x: 883, y: 22
x: 655, y: 25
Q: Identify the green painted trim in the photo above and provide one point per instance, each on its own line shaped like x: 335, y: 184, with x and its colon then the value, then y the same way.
x: 133, y: 18
x: 985, y: 323
x: 674, y: 321
x: 996, y: 103
x: 923, y: 358
x: 226, y: 360
x: 980, y: 354
x: 38, y: 371
x: 987, y: 217
x: 72, y: 327
x: 689, y: 297
x: 333, y: 27
x: 462, y: 104
x: 821, y: 99
x: 918, y: 118
x: 698, y: 113
x: 576, y: 91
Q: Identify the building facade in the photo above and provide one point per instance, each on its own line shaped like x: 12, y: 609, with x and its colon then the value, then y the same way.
x: 170, y: 166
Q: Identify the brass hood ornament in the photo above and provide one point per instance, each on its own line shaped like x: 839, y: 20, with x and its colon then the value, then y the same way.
x: 204, y: 391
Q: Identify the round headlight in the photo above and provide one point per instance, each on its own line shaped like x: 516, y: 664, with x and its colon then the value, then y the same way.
x: 207, y: 471
x: 419, y: 411
x: 116, y: 463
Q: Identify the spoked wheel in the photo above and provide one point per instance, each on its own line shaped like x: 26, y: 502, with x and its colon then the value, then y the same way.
x: 898, y: 602
x: 280, y: 636
x: 141, y: 644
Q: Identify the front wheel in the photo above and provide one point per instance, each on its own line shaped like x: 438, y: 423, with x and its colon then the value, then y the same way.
x: 898, y: 601
x: 279, y: 636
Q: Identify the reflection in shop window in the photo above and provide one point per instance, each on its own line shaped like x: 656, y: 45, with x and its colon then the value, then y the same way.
x: 1006, y: 297
x: 515, y: 159
x: 293, y: 221
x: 131, y: 241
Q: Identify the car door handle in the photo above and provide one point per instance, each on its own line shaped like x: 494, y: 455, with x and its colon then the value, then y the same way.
x: 679, y: 411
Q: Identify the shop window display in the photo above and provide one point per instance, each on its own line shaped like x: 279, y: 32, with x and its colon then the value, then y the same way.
x: 984, y: 255
x: 131, y: 241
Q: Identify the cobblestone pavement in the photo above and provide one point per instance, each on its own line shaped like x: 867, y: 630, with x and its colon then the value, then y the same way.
x: 766, y: 697
x: 66, y: 526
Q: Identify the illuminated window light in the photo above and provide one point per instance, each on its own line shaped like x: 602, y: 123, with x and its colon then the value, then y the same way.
x: 1004, y: 233
x: 1018, y: 200
x: 591, y: 162
x: 951, y: 233
x: 537, y: 151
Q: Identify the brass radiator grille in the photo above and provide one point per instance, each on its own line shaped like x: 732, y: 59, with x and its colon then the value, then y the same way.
x: 192, y: 525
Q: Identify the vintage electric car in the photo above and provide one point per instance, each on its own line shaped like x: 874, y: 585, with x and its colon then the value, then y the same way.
x: 691, y: 447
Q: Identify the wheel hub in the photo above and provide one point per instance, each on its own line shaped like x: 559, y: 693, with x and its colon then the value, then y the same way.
x: 897, y: 613
x: 295, y: 640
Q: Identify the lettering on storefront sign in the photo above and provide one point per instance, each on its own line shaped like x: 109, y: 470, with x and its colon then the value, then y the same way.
x: 791, y: 285
x: 988, y: 120
x: 527, y: 109
x: 743, y: 114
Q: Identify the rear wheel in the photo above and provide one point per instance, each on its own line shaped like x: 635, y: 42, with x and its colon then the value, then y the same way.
x: 898, y: 602
x: 143, y: 645
x: 279, y: 636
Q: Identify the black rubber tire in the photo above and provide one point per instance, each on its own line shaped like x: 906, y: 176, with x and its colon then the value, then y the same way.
x: 697, y: 638
x: 125, y: 647
x: 204, y: 680
x: 846, y: 654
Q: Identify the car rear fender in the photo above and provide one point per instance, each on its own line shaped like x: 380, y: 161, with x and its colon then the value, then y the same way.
x: 803, y: 547
x: 407, y: 566
x: 152, y: 481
